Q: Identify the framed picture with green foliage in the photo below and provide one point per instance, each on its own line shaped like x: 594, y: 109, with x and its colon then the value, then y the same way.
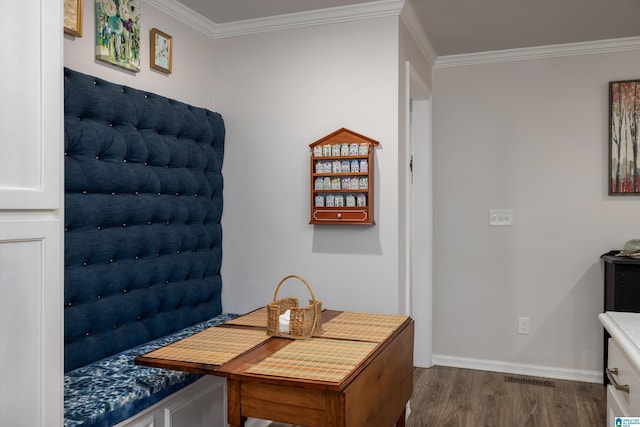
x: 118, y: 33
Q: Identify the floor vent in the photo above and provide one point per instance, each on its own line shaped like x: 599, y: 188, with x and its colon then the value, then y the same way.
x: 529, y: 381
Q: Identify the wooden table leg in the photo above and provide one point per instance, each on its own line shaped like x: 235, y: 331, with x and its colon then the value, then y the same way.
x: 234, y: 411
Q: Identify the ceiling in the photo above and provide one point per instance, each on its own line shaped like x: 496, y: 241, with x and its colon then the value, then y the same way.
x: 469, y: 26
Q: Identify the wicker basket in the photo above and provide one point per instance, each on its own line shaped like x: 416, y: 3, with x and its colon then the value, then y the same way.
x: 303, y: 321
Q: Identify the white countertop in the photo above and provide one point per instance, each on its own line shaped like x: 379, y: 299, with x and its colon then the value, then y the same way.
x: 625, y: 329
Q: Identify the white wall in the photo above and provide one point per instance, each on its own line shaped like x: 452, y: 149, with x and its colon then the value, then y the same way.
x: 191, y: 80
x: 280, y: 91
x: 531, y: 136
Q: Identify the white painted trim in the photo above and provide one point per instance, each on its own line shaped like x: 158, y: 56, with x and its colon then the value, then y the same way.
x: 569, y: 49
x: 410, y: 19
x: 280, y: 22
x: 419, y: 286
x: 519, y: 368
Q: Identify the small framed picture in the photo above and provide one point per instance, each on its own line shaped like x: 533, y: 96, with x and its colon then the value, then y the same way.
x: 161, y: 51
x: 73, y: 17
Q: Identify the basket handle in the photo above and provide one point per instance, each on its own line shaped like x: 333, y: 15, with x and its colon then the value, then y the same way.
x: 293, y: 276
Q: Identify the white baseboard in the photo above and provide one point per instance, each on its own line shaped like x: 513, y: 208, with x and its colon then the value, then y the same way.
x: 519, y: 368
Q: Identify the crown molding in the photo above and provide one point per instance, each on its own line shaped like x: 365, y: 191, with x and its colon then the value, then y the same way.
x: 315, y: 17
x: 279, y: 22
x: 411, y: 21
x: 568, y: 49
x: 186, y: 15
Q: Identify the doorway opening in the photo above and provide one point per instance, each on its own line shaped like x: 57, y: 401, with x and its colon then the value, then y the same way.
x: 418, y: 214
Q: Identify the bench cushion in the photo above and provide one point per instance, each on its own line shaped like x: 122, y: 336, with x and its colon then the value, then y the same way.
x: 113, y: 389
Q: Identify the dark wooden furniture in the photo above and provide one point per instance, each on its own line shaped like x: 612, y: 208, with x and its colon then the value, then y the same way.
x: 374, y: 393
x: 621, y: 289
x: 340, y: 196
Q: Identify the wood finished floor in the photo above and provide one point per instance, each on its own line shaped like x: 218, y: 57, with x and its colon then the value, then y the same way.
x: 454, y: 397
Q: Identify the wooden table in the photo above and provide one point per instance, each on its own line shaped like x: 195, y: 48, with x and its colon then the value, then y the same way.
x: 368, y: 385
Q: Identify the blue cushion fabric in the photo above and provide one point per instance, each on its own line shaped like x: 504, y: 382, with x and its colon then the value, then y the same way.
x: 113, y: 389
x: 143, y: 205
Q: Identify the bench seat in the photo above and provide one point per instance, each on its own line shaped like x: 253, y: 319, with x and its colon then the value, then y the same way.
x: 113, y: 389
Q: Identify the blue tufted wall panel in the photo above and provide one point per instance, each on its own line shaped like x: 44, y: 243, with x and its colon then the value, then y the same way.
x: 143, y: 205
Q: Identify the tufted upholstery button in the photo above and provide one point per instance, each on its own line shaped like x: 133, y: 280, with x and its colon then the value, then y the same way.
x: 115, y: 325
x: 148, y: 222
x: 136, y: 193
x: 66, y: 229
x: 195, y: 195
x: 111, y: 124
x: 97, y: 157
x: 95, y: 82
x: 145, y: 163
x: 166, y: 281
x: 87, y: 334
x: 113, y: 193
x: 84, y: 264
x: 124, y: 291
x: 166, y: 166
x: 110, y: 260
x: 124, y: 225
x: 158, y: 193
x: 178, y: 251
x: 177, y: 194
x: 139, y: 317
x: 99, y: 228
x: 65, y: 153
x: 136, y: 257
x: 124, y: 160
x: 168, y: 222
x: 157, y: 254
x: 99, y: 297
x: 84, y: 191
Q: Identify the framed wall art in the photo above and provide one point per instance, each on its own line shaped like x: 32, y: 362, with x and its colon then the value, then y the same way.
x: 73, y: 17
x: 161, y: 51
x: 118, y: 33
x: 624, y: 118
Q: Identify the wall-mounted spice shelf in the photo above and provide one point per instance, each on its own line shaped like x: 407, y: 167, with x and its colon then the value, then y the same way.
x: 342, y: 184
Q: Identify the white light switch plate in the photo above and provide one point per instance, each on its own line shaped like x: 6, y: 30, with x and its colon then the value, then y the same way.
x: 501, y: 217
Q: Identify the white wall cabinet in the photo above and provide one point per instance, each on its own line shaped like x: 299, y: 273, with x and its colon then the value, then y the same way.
x: 31, y: 247
x: 623, y: 394
x: 30, y: 106
x: 623, y: 364
x: 30, y: 323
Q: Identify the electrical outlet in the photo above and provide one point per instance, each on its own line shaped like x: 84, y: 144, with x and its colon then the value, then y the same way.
x: 523, y: 325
